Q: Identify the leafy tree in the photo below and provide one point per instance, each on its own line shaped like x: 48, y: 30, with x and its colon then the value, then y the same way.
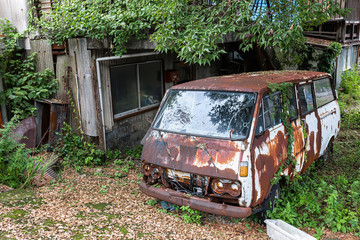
x: 192, y: 29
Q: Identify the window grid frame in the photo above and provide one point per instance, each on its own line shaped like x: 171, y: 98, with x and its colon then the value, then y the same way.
x: 139, y: 109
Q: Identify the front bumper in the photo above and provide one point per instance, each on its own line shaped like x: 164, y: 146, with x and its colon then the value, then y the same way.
x: 204, y: 205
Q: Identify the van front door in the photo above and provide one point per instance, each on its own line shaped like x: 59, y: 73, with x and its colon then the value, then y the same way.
x: 269, y: 146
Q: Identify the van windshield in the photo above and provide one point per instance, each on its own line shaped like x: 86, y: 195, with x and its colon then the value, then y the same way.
x: 207, y: 113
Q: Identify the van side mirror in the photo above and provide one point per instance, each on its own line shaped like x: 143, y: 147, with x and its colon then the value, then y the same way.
x: 257, y: 135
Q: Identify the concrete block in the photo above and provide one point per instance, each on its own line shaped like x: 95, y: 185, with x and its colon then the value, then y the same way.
x: 280, y: 230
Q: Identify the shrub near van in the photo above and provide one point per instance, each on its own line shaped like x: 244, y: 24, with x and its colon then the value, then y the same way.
x: 216, y: 144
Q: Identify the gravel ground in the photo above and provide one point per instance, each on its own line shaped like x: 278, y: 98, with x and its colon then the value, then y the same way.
x: 89, y: 205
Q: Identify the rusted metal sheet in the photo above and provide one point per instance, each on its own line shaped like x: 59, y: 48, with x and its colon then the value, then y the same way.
x: 250, y: 82
x: 51, y: 115
x: 187, y: 157
x: 25, y: 132
x: 195, y: 203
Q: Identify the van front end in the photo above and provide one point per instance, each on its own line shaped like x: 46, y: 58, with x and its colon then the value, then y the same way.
x: 208, y: 175
x: 197, y: 151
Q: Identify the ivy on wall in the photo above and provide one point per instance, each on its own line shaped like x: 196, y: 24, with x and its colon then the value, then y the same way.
x: 22, y: 84
x: 320, y: 60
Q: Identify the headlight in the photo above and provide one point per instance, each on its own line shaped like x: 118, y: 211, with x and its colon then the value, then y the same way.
x: 151, y: 173
x: 222, y: 186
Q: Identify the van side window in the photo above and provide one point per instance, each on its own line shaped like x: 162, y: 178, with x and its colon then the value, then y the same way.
x: 293, y: 106
x: 323, y: 92
x: 306, y: 99
x: 272, y: 110
x: 260, y: 122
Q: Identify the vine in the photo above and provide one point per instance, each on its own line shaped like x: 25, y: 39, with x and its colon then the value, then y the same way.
x: 23, y: 85
x: 286, y: 114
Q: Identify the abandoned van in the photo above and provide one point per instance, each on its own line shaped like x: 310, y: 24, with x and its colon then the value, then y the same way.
x: 216, y: 144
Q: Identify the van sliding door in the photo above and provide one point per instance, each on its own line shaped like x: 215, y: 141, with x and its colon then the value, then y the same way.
x: 311, y: 121
x: 328, y: 111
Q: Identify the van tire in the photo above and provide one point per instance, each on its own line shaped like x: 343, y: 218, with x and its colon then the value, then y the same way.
x: 270, y: 202
x: 327, y: 155
x: 328, y: 152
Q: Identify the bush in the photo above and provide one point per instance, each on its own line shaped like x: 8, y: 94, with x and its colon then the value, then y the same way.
x: 320, y: 201
x: 350, y: 87
x: 76, y: 151
x: 17, y: 166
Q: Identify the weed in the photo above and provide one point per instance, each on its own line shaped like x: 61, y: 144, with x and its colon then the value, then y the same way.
x: 17, y: 165
x: 76, y: 151
x: 152, y: 202
x: 125, y: 164
x: 134, y: 152
x: 191, y: 216
x: 103, y: 189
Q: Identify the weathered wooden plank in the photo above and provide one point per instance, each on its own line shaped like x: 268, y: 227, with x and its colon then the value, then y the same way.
x: 63, y: 63
x: 106, y: 93
x: 86, y: 100
x: 98, y: 107
x: 44, y: 54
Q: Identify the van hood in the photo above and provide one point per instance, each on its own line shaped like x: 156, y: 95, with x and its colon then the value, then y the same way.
x: 196, y: 155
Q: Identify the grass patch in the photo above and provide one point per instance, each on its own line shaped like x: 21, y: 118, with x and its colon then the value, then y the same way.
x: 98, y: 206
x: 19, y: 198
x: 16, y: 214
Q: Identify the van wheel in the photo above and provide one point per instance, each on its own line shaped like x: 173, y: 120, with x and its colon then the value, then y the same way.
x: 270, y: 202
x: 326, y: 157
x: 328, y: 152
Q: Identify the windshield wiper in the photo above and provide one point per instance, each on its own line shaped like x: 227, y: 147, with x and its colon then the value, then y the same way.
x: 203, y: 147
x: 167, y: 149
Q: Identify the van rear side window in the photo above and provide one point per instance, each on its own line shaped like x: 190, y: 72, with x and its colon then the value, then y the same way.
x: 323, y: 92
x: 306, y: 99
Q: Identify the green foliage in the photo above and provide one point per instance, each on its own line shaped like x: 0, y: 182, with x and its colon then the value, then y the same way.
x: 349, y: 98
x: 22, y: 84
x: 76, y: 151
x: 191, y: 29
x: 125, y: 164
x: 103, y: 189
x: 318, y: 202
x: 17, y: 166
x: 152, y: 202
x: 327, y: 197
x: 134, y: 152
x: 325, y: 61
x: 350, y: 86
x: 191, y: 216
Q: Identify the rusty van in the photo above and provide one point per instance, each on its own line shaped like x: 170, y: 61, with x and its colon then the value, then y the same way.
x: 216, y: 143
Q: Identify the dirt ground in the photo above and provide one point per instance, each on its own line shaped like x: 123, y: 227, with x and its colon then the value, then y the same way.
x: 94, y: 205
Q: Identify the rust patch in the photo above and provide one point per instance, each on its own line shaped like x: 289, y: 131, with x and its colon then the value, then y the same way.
x: 310, y: 154
x: 250, y: 82
x: 267, y: 165
x: 187, y: 157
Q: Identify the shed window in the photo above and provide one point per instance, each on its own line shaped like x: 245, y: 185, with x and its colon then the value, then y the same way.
x: 136, y: 87
x: 323, y: 92
x: 306, y: 99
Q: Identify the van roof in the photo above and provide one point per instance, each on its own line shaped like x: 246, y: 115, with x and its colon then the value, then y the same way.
x: 250, y: 82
